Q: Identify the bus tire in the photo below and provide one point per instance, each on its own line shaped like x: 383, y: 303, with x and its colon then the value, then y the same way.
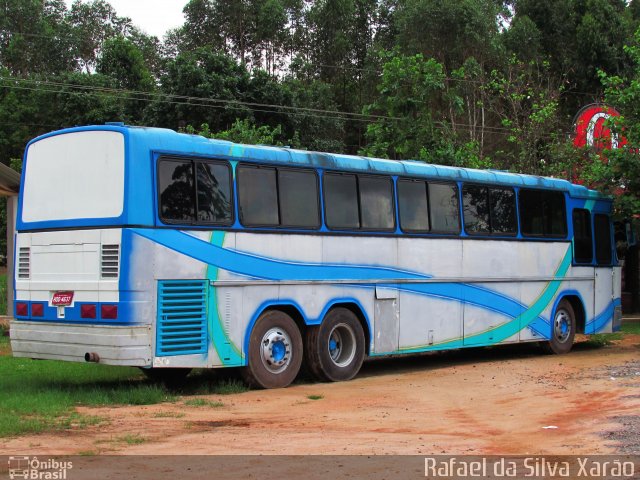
x: 335, y: 349
x: 563, y: 329
x: 275, y: 351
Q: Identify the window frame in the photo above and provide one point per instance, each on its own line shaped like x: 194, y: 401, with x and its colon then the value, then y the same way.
x: 318, y: 206
x: 544, y: 235
x: 360, y: 228
x: 194, y: 161
x: 394, y: 221
x: 491, y: 233
x: 426, y: 191
x: 595, y: 241
x: 277, y: 169
x: 576, y: 261
x: 456, y: 189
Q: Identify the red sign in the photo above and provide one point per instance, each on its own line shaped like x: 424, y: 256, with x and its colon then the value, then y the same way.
x: 62, y: 299
x: 592, y: 129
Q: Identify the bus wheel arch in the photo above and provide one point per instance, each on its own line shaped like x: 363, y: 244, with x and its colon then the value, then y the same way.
x: 275, y: 350
x: 335, y: 349
x: 578, y: 310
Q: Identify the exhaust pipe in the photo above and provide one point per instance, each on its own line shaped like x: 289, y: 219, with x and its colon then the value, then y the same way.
x: 91, y: 357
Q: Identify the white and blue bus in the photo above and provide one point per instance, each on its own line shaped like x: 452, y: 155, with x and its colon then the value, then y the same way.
x: 166, y: 251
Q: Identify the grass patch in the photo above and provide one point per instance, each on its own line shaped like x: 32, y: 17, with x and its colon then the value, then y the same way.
x: 230, y: 387
x: 36, y: 396
x: 604, y: 339
x: 131, y: 439
x: 168, y: 415
x: 631, y: 327
x: 315, y: 397
x: 5, y: 343
x: 213, y: 382
x: 201, y: 402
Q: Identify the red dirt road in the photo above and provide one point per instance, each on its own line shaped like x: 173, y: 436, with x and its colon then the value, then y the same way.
x: 481, y: 401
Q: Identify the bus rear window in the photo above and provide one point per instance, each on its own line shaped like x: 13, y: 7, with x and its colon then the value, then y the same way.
x: 77, y: 175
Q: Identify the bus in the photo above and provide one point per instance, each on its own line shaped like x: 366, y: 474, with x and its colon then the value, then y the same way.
x: 167, y: 251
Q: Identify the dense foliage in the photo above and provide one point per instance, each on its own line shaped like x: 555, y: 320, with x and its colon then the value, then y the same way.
x: 480, y: 83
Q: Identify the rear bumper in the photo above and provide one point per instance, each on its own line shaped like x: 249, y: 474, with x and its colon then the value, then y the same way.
x: 115, y: 345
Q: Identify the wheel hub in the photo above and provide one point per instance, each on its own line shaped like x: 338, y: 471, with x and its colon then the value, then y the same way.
x: 562, y: 326
x: 276, y: 350
x: 342, y: 345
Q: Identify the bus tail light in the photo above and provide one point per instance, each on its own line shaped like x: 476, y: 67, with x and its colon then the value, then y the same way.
x: 88, y: 311
x: 22, y: 309
x: 109, y: 312
x: 37, y: 310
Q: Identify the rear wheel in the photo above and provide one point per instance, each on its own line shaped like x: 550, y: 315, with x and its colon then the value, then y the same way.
x: 334, y: 350
x: 275, y: 351
x: 563, y: 329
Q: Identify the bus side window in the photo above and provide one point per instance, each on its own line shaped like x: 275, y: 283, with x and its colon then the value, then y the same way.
x: 376, y: 202
x: 602, y: 227
x: 214, y: 192
x: 258, y: 196
x: 341, y: 201
x: 298, y: 195
x: 542, y: 213
x: 176, y: 190
x: 443, y: 204
x: 582, y: 238
x: 413, y: 205
x: 475, y: 207
x: 503, y: 211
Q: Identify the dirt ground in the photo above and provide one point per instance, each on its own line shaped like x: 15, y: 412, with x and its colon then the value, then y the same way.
x: 507, y: 400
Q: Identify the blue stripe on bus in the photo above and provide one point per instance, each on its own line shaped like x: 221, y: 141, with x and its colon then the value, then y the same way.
x: 269, y: 269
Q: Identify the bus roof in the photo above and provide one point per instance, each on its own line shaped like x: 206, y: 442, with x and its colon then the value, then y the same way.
x: 171, y: 142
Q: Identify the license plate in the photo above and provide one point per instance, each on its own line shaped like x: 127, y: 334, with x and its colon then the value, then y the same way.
x: 62, y: 299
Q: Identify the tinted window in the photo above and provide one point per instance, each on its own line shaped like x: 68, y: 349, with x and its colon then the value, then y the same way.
x: 602, y: 229
x: 258, y: 196
x: 542, y: 213
x: 531, y: 217
x: 475, y: 202
x: 556, y: 224
x: 443, y: 202
x: 298, y: 192
x: 413, y: 206
x: 214, y: 192
x: 175, y: 185
x: 582, y: 240
x: 503, y: 211
x: 376, y: 202
x: 341, y: 201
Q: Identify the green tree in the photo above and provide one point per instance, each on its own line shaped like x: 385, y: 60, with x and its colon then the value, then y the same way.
x: 410, y: 89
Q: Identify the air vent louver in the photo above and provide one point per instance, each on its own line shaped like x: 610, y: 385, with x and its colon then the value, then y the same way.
x: 182, y: 318
x: 24, y: 263
x: 110, y: 261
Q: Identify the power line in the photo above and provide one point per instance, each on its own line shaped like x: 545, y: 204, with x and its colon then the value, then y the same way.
x: 233, y: 104
x: 149, y: 96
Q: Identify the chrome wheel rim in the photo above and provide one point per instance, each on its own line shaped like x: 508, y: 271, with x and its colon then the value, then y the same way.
x: 275, y: 350
x: 562, y: 326
x: 342, y: 345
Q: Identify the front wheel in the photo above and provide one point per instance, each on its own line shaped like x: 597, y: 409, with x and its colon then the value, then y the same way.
x: 275, y: 351
x: 334, y: 350
x: 563, y: 329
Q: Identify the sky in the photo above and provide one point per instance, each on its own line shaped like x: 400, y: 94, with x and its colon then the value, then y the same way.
x: 153, y: 17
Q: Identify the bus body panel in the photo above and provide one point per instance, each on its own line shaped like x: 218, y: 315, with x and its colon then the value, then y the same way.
x: 189, y: 297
